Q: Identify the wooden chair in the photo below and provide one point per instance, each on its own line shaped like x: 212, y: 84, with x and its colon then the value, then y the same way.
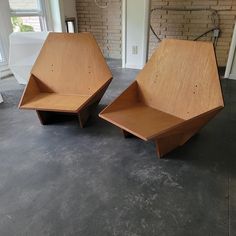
x: 69, y: 76
x: 173, y: 97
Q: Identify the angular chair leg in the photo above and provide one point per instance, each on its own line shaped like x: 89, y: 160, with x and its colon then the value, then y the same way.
x: 45, y: 117
x: 187, y: 136
x: 167, y: 144
x: 127, y: 134
x: 83, y: 116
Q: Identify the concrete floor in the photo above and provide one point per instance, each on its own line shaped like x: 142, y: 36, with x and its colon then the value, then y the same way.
x: 62, y: 180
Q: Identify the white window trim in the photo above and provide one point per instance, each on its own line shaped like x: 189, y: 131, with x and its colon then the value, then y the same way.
x: 41, y: 13
x: 231, y: 56
x: 6, y: 29
x: 3, y: 53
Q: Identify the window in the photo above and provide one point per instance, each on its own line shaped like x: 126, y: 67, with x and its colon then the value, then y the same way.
x: 27, y: 15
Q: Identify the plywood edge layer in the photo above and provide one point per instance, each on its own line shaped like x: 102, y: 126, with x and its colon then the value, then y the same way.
x: 187, y: 125
x: 124, y: 99
x: 123, y: 127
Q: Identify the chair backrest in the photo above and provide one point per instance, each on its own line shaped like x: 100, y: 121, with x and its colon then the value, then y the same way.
x: 181, y: 79
x: 71, y: 64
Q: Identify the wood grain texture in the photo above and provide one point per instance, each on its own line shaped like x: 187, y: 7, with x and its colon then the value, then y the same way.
x: 181, y: 79
x: 31, y: 90
x: 56, y: 102
x: 179, y: 135
x: 173, y: 97
x: 69, y: 74
x: 194, y: 124
x: 71, y: 64
x: 142, y: 121
x: 165, y: 145
x: 127, y: 98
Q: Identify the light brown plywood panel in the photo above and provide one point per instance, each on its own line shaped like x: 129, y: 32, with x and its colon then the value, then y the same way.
x: 173, y: 97
x: 69, y: 75
x: 71, y: 63
x: 181, y: 79
x: 141, y: 120
x: 56, y: 102
x: 127, y: 98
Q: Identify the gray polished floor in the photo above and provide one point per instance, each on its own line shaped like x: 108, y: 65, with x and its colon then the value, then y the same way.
x: 62, y: 180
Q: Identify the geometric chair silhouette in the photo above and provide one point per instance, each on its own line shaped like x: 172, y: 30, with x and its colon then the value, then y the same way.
x: 173, y: 97
x: 69, y: 76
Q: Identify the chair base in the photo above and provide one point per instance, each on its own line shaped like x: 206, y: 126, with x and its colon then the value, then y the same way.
x: 167, y: 144
x: 179, y: 135
x: 127, y: 134
x: 50, y: 117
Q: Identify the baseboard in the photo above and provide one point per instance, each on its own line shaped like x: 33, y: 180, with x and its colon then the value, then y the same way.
x: 5, y: 73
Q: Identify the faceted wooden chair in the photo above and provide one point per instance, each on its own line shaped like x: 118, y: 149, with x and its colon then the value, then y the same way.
x: 69, y: 76
x: 173, y: 97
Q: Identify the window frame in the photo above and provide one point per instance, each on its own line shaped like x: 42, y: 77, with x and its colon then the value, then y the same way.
x: 41, y: 13
x: 4, y: 61
x: 3, y: 49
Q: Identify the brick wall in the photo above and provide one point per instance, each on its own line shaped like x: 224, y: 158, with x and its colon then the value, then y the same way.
x: 105, y: 24
x: 188, y: 25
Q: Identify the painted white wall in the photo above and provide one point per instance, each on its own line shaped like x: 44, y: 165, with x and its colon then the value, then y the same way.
x: 69, y: 8
x: 230, y: 71
x: 59, y: 10
x: 56, y: 16
x: 136, y: 13
x: 233, y: 70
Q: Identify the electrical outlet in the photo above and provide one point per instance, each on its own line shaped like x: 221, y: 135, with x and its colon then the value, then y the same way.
x: 135, y: 50
x: 216, y: 33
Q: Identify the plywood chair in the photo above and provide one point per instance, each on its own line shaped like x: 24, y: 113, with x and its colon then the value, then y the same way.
x: 173, y: 97
x: 70, y: 75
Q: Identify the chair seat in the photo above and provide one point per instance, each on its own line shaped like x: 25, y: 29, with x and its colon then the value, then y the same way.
x: 56, y: 102
x: 142, y: 121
